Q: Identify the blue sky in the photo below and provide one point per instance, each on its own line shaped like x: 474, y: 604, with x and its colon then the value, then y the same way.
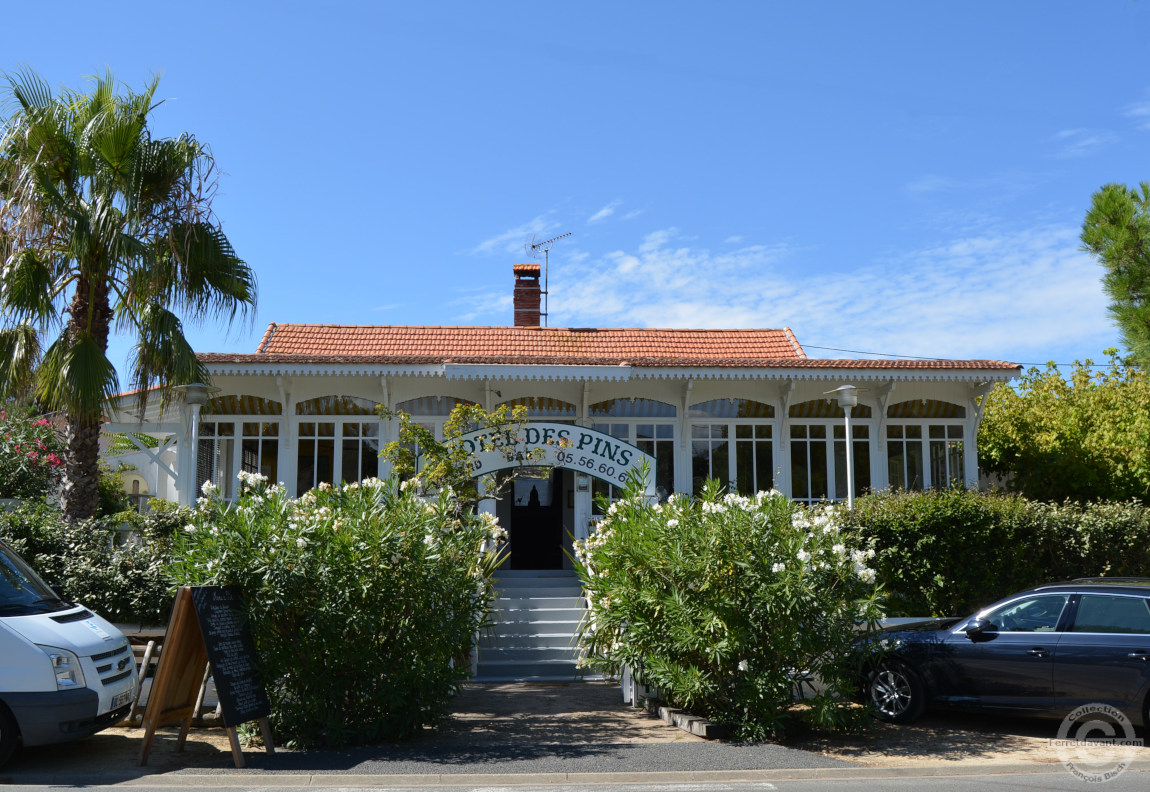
x: 893, y: 177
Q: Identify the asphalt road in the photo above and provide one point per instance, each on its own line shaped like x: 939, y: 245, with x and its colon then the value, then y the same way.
x: 1129, y: 781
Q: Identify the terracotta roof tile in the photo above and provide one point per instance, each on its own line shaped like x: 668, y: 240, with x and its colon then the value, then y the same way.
x: 399, y: 344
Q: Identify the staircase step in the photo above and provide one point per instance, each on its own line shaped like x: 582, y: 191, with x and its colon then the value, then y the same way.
x: 534, y: 621
x: 548, y: 602
x: 563, y: 640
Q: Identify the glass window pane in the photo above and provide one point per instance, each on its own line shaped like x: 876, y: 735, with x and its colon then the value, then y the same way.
x: 665, y: 466
x: 763, y: 431
x: 819, y: 482
x: 1104, y: 613
x: 744, y: 431
x: 862, y: 467
x: 914, y: 431
x: 800, y: 481
x: 937, y: 432
x: 764, y: 467
x: 745, y: 468
x: 956, y: 462
x: 1030, y: 614
x: 896, y: 464
x: 818, y: 430
x: 719, y: 463
x: 664, y: 431
x: 798, y: 430
x: 914, y: 470
x: 305, y: 466
x: 938, y: 472
x: 841, y: 470
x: 326, y: 429
x: 700, y: 465
x: 349, y: 460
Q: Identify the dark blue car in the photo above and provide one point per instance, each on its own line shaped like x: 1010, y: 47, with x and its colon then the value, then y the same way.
x: 1044, y: 651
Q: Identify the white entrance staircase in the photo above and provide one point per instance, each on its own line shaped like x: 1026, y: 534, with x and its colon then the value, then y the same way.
x: 533, y: 632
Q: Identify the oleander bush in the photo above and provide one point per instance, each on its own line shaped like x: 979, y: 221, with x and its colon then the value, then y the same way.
x: 364, y: 600
x: 730, y: 606
x: 31, y: 455
x: 117, y: 565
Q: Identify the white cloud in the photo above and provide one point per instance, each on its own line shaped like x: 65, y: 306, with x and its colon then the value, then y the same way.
x: 605, y: 212
x: 1080, y: 142
x: 632, y: 214
x: 1026, y: 295
x: 1140, y: 112
x: 513, y: 239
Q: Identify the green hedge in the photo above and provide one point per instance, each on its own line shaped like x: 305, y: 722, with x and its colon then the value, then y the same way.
x: 117, y: 566
x: 951, y: 552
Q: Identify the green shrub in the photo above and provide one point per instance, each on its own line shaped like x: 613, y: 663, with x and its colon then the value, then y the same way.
x: 116, y: 566
x: 952, y: 552
x: 364, y: 601
x: 729, y: 606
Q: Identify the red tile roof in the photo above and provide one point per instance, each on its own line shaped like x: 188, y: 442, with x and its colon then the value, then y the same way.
x: 652, y: 348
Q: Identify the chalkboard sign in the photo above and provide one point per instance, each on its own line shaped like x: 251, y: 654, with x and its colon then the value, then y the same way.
x: 231, y: 653
x: 206, y: 625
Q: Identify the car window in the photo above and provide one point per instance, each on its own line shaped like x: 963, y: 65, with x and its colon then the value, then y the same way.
x: 1112, y: 613
x: 1039, y: 613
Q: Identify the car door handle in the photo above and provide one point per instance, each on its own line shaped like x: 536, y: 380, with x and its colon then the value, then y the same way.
x: 1140, y: 655
x: 1039, y: 651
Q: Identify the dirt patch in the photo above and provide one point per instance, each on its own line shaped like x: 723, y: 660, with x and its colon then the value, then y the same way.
x: 957, y: 737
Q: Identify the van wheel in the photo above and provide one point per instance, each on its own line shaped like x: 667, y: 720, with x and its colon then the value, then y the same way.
x: 9, y: 734
x: 895, y: 693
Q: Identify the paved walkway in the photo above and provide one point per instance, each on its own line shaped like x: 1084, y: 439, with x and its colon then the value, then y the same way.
x: 555, y: 730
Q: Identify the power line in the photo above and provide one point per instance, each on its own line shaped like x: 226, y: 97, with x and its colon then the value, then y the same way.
x: 920, y: 357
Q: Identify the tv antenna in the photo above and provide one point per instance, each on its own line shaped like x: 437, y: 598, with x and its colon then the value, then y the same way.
x: 532, y: 247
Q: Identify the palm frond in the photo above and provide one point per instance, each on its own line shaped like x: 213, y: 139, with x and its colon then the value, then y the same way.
x: 28, y: 89
x: 19, y: 354
x: 76, y: 376
x: 162, y: 356
x: 216, y: 283
x: 27, y: 291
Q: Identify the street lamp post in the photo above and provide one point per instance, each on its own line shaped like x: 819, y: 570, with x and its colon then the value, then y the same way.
x: 848, y: 397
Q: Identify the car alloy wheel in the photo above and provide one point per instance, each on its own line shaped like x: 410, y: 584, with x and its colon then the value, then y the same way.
x: 896, y: 693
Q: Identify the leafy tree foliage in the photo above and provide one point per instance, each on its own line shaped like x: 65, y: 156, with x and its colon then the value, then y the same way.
x: 1085, y: 438
x: 103, y: 225
x: 447, y: 464
x: 1117, y: 231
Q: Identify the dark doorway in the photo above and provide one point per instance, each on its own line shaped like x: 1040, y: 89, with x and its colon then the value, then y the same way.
x: 535, y: 531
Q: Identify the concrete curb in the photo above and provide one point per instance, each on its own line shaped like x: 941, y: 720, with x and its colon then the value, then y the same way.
x: 247, y: 778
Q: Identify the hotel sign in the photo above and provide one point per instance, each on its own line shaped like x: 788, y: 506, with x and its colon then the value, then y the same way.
x: 546, y: 444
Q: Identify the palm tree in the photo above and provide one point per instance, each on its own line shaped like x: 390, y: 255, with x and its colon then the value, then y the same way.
x: 102, y: 226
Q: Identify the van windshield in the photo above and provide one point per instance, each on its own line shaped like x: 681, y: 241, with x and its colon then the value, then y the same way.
x: 22, y: 592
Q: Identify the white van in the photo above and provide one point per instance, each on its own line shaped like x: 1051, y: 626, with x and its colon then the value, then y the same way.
x: 65, y: 673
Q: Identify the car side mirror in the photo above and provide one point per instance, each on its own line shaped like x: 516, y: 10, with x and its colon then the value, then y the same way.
x: 978, y: 627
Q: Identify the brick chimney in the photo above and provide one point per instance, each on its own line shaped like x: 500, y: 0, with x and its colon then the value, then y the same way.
x: 526, y: 295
